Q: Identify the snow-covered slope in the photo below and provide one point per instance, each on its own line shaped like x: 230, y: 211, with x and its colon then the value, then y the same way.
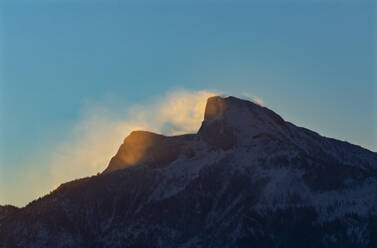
x: 247, y: 178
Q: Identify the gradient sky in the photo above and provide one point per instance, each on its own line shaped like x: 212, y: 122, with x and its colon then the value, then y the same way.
x: 314, y: 63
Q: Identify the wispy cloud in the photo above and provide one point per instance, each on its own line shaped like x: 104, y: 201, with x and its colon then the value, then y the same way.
x: 97, y: 137
x: 89, y: 146
x: 254, y: 98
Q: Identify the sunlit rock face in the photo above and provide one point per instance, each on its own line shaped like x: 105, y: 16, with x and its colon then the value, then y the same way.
x: 215, y: 108
x: 248, y: 178
x: 216, y: 130
x: 142, y: 147
x: 151, y: 149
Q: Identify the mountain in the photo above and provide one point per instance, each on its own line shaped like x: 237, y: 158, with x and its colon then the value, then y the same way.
x: 248, y: 178
x: 6, y: 211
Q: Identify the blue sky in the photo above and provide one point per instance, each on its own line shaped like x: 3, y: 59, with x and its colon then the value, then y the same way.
x: 314, y: 63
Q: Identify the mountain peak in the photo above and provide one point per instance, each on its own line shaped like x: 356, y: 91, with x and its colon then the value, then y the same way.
x: 227, y: 121
x: 230, y: 120
x: 217, y: 106
x: 134, y: 148
x: 143, y: 147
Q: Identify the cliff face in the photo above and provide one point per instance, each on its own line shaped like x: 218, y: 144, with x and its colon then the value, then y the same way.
x: 247, y: 178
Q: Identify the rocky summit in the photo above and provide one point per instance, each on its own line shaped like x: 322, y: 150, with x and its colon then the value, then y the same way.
x: 248, y: 178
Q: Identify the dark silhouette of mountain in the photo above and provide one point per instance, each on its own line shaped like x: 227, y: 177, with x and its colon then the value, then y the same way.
x: 246, y: 179
x: 6, y: 211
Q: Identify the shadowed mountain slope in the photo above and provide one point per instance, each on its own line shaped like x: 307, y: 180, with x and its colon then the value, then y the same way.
x: 6, y: 211
x: 247, y: 178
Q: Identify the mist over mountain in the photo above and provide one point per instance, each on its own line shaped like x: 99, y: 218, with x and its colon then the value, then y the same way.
x: 247, y: 178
